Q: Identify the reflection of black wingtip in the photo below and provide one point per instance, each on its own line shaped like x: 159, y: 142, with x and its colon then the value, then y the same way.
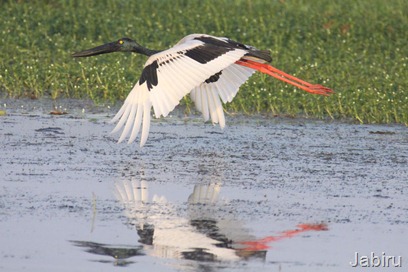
x: 210, y: 229
x: 146, y: 234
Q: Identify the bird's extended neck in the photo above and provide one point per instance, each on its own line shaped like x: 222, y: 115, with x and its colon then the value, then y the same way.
x: 145, y: 51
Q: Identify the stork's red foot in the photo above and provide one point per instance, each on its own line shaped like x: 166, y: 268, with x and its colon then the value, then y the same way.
x: 319, y: 89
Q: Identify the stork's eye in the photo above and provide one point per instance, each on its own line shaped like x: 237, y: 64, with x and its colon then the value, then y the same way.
x: 121, y: 41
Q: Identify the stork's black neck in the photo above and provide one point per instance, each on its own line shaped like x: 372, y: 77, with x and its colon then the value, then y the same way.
x: 145, y: 51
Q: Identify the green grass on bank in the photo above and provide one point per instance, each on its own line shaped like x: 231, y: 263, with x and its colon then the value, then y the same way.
x: 358, y: 48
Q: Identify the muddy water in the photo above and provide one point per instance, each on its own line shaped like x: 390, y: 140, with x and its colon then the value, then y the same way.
x: 265, y: 194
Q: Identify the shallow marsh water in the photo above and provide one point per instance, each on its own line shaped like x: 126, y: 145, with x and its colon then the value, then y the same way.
x: 196, y: 198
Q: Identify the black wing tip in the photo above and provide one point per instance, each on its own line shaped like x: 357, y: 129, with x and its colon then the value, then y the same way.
x: 262, y: 54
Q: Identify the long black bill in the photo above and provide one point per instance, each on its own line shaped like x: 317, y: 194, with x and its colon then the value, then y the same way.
x: 102, y: 49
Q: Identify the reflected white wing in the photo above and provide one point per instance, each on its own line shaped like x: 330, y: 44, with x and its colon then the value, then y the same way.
x: 173, y: 235
x: 166, y: 78
x: 225, y: 86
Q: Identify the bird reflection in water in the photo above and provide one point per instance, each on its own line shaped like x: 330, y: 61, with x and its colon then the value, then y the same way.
x: 206, y: 231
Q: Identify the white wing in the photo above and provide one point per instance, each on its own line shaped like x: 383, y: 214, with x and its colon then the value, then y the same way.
x: 166, y: 78
x: 135, y: 108
x: 225, y: 85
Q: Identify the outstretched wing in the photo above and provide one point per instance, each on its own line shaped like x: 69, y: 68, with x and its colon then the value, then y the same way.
x: 167, y: 77
x: 225, y: 85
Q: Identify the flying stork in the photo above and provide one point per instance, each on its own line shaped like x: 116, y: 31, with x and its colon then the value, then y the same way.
x: 211, y: 69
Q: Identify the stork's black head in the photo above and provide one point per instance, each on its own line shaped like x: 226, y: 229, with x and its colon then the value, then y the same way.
x: 121, y: 45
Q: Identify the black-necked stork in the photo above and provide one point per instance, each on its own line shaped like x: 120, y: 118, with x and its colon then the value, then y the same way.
x: 210, y: 69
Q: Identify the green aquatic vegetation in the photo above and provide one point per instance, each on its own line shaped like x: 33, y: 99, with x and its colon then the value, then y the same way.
x: 358, y: 48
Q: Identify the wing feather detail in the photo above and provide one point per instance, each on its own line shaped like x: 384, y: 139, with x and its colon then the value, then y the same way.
x: 186, y: 74
x: 207, y: 96
x: 136, y: 108
x: 177, y: 74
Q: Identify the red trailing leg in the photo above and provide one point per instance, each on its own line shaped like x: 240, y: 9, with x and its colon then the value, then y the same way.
x: 272, y: 71
x: 262, y: 244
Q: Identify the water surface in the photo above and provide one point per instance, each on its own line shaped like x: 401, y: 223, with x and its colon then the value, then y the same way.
x: 265, y: 194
